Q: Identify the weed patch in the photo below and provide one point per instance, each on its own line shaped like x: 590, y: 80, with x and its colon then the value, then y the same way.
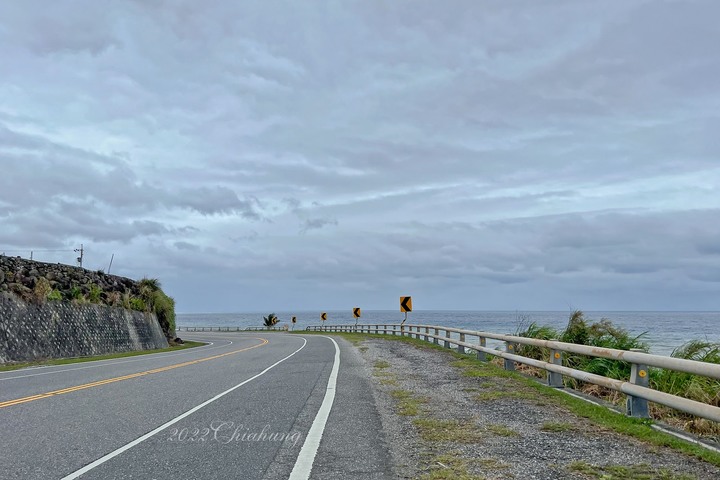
x: 557, y: 427
x: 617, y: 472
x: 449, y: 467
x: 435, y: 430
x: 408, y: 404
x: 501, y: 430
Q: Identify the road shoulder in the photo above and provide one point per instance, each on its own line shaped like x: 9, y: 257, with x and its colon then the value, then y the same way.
x: 444, y: 420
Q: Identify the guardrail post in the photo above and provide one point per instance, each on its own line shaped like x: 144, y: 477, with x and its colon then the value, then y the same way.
x: 555, y: 379
x: 482, y: 356
x: 427, y: 330
x: 436, y: 340
x: 509, y: 348
x: 447, y: 335
x: 638, y: 407
x: 461, y: 348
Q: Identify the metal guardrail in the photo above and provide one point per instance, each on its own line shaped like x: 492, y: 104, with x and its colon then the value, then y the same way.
x: 231, y: 329
x: 637, y: 389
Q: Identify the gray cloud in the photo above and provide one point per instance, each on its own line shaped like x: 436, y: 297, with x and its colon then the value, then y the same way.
x: 539, y: 154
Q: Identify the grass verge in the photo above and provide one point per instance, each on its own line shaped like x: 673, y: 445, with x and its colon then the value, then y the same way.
x: 408, y: 404
x: 636, y: 472
x: 449, y: 467
x: 67, y: 361
x: 436, y: 430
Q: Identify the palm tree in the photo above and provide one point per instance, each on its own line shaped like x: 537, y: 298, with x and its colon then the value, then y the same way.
x: 270, y: 320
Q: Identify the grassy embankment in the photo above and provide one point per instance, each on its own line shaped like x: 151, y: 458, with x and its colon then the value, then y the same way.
x: 65, y: 361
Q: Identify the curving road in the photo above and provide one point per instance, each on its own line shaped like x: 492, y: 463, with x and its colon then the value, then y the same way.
x: 247, y: 406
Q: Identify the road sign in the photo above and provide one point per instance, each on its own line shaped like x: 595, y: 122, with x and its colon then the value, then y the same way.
x: 323, y: 316
x: 406, y: 304
x: 294, y: 319
x: 356, y: 312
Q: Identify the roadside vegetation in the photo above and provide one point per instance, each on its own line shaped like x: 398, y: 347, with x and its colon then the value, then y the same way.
x: 606, y: 335
x: 148, y: 297
x: 66, y: 361
x: 640, y: 429
x: 153, y: 299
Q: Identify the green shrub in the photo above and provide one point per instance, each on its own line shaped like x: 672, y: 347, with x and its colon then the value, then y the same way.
x: 541, y: 332
x: 602, y: 334
x: 42, y: 290
x: 55, y: 296
x: 164, y: 308
x: 137, y: 303
x: 694, y: 387
x: 605, y: 335
x: 75, y: 293
x: 95, y: 294
x: 576, y: 330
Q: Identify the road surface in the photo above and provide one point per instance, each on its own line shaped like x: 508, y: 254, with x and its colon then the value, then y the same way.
x: 247, y: 406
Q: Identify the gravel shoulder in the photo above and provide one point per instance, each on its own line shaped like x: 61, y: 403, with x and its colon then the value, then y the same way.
x: 443, y: 420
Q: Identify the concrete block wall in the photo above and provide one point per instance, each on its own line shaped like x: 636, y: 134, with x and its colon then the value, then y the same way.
x: 62, y: 329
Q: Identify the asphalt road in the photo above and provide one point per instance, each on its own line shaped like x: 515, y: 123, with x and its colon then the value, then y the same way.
x: 249, y: 406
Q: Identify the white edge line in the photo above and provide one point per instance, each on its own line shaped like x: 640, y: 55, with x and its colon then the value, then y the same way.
x: 686, y: 438
x: 204, y: 348
x: 165, y: 425
x: 306, y: 458
x: 657, y: 427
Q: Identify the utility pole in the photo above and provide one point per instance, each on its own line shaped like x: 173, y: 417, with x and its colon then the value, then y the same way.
x: 80, y: 258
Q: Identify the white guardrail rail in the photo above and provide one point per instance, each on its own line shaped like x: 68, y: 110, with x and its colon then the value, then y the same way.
x: 231, y: 329
x: 636, y: 388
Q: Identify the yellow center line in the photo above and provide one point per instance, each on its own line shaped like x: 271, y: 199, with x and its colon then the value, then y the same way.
x: 63, y: 391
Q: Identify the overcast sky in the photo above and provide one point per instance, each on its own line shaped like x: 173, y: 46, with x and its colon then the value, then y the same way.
x: 287, y: 155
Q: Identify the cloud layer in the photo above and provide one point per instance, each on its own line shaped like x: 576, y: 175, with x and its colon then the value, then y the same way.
x: 276, y: 155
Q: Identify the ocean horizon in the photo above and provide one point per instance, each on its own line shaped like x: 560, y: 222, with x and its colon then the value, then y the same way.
x: 663, y: 331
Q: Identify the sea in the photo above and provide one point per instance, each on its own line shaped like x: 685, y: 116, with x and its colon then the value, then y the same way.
x: 662, y: 331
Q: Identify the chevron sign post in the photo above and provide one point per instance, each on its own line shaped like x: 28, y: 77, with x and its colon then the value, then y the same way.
x: 405, y: 306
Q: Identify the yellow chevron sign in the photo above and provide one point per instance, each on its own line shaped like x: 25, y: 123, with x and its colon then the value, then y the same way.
x: 356, y: 312
x: 406, y: 304
x: 294, y: 319
x: 323, y: 316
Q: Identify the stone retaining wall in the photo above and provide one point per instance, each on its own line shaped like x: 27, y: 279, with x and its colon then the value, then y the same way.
x: 51, y: 310
x: 62, y: 329
x: 20, y: 276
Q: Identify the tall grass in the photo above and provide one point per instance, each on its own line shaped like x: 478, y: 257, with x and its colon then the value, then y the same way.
x: 605, y: 334
x: 159, y: 303
x: 694, y: 387
x: 585, y: 332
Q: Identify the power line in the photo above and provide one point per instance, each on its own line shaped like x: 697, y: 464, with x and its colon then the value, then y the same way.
x: 34, y: 250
